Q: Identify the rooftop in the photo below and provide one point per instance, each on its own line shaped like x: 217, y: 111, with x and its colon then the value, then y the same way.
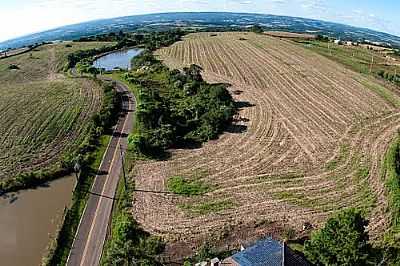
x: 266, y: 252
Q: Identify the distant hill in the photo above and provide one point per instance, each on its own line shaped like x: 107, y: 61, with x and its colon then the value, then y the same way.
x: 203, y: 19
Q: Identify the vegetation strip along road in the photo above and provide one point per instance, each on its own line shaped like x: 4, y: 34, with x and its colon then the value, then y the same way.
x: 91, y: 233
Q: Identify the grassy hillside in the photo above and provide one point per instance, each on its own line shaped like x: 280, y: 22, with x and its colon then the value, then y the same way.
x: 44, y: 113
x: 357, y: 58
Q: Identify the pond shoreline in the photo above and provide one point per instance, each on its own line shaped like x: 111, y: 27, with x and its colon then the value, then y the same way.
x: 118, y: 59
x: 114, y: 51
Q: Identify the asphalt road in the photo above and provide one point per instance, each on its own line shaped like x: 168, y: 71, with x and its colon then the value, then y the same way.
x: 90, y: 237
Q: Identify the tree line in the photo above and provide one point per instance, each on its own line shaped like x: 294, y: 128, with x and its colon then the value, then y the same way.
x: 392, y: 77
x: 150, y: 41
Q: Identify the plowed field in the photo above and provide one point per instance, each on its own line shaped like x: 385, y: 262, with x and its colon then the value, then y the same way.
x: 43, y: 112
x: 308, y: 140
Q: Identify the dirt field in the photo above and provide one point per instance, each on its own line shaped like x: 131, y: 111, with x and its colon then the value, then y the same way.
x: 308, y: 140
x: 43, y: 112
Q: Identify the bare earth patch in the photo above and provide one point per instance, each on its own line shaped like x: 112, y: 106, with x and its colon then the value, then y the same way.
x: 308, y: 140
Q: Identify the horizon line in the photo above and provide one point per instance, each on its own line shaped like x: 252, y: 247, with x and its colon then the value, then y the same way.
x: 186, y: 12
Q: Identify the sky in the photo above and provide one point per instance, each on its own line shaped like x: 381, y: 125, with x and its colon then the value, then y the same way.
x: 21, y: 17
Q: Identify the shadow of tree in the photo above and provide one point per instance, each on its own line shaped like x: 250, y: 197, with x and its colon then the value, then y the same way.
x: 243, y: 104
x: 236, y: 129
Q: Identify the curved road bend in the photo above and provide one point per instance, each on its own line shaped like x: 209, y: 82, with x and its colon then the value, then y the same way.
x: 90, y: 237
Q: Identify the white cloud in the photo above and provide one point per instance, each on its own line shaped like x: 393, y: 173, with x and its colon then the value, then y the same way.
x: 317, y: 7
x: 279, y: 2
x: 242, y: 2
x: 365, y: 19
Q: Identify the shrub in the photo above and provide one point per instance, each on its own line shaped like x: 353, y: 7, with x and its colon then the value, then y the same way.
x: 257, y: 29
x: 13, y: 67
x: 342, y: 241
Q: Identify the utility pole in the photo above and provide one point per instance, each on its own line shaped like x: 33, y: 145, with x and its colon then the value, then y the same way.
x: 77, y: 169
x: 372, y: 62
x: 123, y: 165
x: 329, y: 48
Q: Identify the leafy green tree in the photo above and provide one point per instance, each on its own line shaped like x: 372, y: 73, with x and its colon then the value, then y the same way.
x: 176, y: 107
x: 193, y: 72
x: 256, y: 29
x: 94, y: 71
x: 322, y: 38
x: 82, y: 67
x: 342, y: 241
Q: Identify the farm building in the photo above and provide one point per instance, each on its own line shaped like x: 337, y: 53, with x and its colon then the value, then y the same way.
x: 266, y: 252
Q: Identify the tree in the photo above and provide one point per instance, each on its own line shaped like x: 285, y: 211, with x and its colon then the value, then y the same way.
x: 322, y: 38
x: 342, y: 241
x: 82, y: 67
x: 257, y: 29
x: 193, y: 72
x: 94, y: 71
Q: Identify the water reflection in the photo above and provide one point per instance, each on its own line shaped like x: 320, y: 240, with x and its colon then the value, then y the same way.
x: 119, y: 59
x: 29, y: 218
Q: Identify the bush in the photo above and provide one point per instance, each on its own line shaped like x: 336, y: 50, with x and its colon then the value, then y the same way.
x: 392, y: 168
x: 322, y: 38
x: 342, y: 241
x: 130, y: 245
x: 257, y: 29
x: 13, y: 67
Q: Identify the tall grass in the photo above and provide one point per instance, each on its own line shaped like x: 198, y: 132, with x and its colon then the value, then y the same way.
x: 391, y: 168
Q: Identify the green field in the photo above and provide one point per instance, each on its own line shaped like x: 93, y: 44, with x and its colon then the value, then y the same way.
x: 357, y: 58
x: 44, y: 113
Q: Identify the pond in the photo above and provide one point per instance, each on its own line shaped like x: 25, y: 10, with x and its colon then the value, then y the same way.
x: 119, y: 59
x: 29, y: 219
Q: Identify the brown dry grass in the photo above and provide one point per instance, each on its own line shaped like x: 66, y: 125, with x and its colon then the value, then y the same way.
x: 315, y: 137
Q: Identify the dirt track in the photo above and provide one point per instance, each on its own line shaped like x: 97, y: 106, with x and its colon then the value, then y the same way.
x: 308, y: 140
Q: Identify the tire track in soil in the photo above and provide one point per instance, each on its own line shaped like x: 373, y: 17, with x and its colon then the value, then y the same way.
x: 306, y: 108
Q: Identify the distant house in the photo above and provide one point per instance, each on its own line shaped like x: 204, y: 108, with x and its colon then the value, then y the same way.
x: 266, y: 252
x: 337, y: 41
